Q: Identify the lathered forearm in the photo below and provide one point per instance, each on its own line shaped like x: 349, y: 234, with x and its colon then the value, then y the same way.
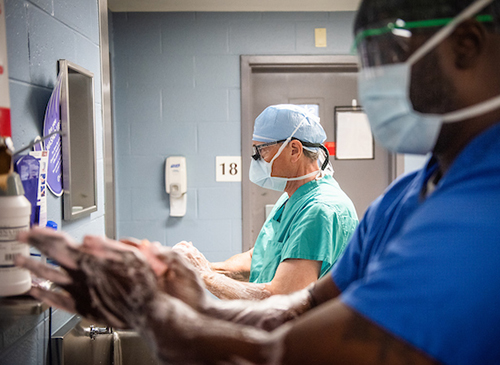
x: 240, y: 275
x: 180, y: 335
x: 236, y: 267
x: 267, y: 314
x: 224, y: 287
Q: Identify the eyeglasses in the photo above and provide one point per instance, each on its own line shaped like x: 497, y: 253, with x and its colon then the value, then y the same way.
x: 256, y: 148
x: 257, y: 155
x: 388, y: 42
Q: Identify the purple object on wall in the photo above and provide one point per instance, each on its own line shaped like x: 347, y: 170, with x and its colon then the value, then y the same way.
x: 52, y: 122
x: 28, y: 168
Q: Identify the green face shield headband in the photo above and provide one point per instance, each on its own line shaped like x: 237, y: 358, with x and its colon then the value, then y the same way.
x: 389, y: 42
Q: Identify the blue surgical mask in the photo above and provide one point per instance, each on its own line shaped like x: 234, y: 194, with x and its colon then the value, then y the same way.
x: 384, y: 94
x: 260, y: 174
x: 260, y: 170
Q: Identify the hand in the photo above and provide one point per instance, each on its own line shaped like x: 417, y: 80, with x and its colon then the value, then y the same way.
x: 131, y: 268
x: 103, y: 280
x: 194, y: 256
x: 175, y: 275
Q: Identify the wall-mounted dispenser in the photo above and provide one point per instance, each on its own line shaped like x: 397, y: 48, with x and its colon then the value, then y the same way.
x: 176, y: 184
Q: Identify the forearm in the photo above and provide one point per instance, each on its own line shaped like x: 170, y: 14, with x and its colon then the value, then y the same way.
x: 224, y: 287
x: 180, y: 335
x: 230, y: 271
x: 236, y: 267
x: 266, y: 314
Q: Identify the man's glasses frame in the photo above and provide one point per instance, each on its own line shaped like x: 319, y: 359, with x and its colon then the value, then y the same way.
x: 256, y: 155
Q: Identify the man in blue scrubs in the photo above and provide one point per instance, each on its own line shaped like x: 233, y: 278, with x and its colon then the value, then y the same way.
x: 419, y: 281
x: 310, y: 224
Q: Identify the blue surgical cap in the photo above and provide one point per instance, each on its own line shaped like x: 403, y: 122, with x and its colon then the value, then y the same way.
x: 278, y: 122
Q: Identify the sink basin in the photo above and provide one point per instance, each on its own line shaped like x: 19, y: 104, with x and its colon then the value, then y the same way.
x: 72, y: 345
x: 130, y: 349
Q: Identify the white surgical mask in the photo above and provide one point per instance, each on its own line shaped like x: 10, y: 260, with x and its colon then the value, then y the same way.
x: 384, y: 93
x: 260, y: 170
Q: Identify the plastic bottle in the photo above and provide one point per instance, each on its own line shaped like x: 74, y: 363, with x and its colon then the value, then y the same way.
x: 15, y: 212
x: 15, y: 209
x: 52, y: 225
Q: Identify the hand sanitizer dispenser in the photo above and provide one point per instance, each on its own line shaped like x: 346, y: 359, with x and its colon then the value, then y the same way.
x: 176, y: 184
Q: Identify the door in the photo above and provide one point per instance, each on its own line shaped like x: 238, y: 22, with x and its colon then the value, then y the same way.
x: 325, y: 81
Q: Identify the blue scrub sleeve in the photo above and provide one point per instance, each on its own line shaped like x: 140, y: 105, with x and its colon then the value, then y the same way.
x: 435, y: 284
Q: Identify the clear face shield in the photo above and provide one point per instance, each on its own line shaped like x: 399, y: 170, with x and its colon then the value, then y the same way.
x: 387, y: 53
x: 389, y: 42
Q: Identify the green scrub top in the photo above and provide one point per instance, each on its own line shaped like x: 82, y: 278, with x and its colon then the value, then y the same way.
x: 315, y: 223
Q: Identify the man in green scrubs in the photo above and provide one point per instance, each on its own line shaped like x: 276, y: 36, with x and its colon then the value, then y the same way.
x: 310, y: 224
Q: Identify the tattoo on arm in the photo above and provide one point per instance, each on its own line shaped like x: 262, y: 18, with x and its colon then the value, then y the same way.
x: 385, y: 348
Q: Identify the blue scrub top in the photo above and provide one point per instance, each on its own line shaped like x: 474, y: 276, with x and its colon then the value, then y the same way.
x: 428, y: 269
x: 314, y: 224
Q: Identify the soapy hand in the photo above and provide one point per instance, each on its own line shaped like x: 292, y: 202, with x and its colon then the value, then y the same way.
x: 175, y: 276
x: 103, y: 280
x: 194, y: 256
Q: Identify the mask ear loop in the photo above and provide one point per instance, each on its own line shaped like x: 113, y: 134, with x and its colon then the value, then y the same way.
x: 474, y: 110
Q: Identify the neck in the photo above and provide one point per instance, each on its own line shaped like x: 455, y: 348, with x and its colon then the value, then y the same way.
x: 292, y: 186
x: 454, y: 137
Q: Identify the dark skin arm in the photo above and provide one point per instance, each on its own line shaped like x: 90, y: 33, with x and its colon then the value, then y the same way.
x: 324, y: 290
x: 333, y: 333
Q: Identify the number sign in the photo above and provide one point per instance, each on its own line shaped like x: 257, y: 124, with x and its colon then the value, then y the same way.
x: 228, y: 168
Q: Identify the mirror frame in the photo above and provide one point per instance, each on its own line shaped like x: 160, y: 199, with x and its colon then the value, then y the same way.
x: 70, y: 158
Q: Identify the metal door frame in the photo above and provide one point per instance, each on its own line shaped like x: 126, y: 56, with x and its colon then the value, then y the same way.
x: 271, y: 64
x: 107, y: 123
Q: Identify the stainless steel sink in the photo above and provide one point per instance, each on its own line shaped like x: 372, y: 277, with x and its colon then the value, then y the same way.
x: 81, y: 342
x: 129, y: 348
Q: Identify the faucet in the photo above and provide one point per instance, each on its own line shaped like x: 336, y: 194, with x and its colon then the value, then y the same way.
x: 93, y: 331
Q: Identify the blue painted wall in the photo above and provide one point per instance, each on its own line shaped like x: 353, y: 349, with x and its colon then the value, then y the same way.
x: 176, y: 79
x: 39, y: 32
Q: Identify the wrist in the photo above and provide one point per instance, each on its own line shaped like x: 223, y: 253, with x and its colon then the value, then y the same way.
x: 215, y: 266
x: 207, y: 275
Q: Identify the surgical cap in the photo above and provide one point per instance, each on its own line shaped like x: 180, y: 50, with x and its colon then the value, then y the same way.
x: 278, y: 122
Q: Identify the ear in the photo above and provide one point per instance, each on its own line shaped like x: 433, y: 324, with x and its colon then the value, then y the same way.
x: 296, y: 149
x: 468, y: 43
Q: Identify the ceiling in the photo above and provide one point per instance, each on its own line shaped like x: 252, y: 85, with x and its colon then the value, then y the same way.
x: 232, y: 5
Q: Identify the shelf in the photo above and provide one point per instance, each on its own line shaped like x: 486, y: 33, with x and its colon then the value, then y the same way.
x: 14, y: 308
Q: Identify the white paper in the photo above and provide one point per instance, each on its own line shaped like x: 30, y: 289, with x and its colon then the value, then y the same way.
x: 354, y: 136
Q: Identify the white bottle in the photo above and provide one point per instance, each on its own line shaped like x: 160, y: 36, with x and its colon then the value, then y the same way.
x: 15, y: 212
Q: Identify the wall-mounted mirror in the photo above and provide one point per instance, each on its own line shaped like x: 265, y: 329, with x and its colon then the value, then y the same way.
x: 78, y: 141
